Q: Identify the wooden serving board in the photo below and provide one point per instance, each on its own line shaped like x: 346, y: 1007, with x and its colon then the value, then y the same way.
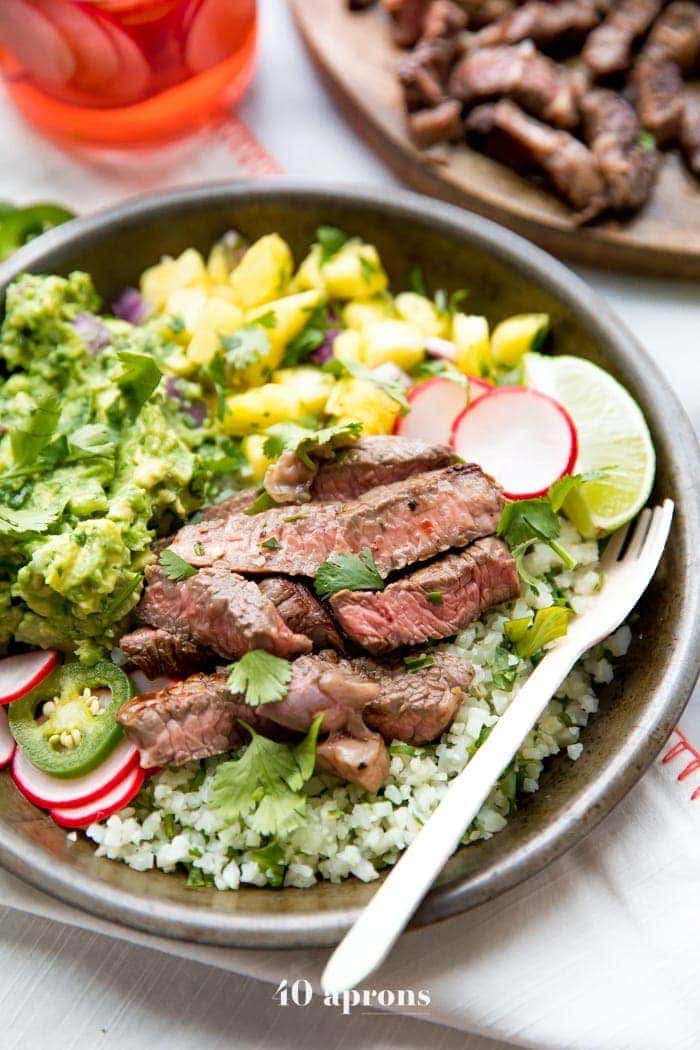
x: 358, y: 61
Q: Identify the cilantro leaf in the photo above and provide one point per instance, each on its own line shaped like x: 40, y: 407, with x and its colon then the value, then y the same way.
x: 530, y: 636
x: 434, y: 597
x: 348, y: 572
x: 270, y: 860
x: 31, y: 436
x: 341, y: 365
x: 271, y: 543
x: 31, y: 519
x: 560, y: 489
x: 525, y: 521
x: 260, y: 677
x: 417, y: 281
x: 267, y: 779
x: 175, y: 567
x: 248, y: 346
x: 215, y: 371
x: 331, y: 240
x: 290, y: 437
x: 93, y: 439
x: 309, y: 339
x: 263, y: 501
x: 503, y: 673
x: 418, y: 663
x: 138, y: 379
x: 399, y: 748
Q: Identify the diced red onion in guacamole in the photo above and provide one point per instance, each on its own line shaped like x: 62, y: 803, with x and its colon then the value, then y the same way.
x: 324, y: 352
x: 93, y: 333
x: 195, y: 410
x: 131, y: 306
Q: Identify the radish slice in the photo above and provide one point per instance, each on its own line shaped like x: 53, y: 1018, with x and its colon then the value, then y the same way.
x: 478, y: 388
x: 20, y: 674
x: 111, y: 802
x: 524, y: 439
x: 48, y: 792
x: 435, y: 405
x: 7, y: 744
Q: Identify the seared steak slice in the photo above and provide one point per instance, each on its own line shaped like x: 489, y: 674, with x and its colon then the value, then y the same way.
x: 444, y: 18
x: 407, y: 16
x: 442, y: 123
x: 189, y: 720
x: 434, y: 602
x: 535, y: 82
x: 690, y: 135
x: 563, y: 25
x: 608, y: 48
x: 219, y: 610
x: 377, y: 460
x: 415, y: 707
x: 423, y: 73
x: 235, y: 504
x: 658, y: 89
x: 325, y: 684
x: 301, y: 611
x: 612, y: 131
x: 361, y: 761
x: 403, y: 523
x: 506, y: 133
x: 676, y: 35
x: 157, y: 652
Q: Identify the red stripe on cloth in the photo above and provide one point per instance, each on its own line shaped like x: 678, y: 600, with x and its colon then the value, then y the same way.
x: 249, y: 152
x: 692, y: 763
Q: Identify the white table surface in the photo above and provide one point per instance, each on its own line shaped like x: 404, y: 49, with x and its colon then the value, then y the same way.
x: 103, y: 993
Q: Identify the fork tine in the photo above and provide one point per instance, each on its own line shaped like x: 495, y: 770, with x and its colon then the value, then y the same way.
x: 614, y: 546
x: 658, y: 531
x: 639, y: 534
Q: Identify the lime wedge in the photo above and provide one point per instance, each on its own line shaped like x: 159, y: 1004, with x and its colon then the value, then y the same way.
x: 613, y: 438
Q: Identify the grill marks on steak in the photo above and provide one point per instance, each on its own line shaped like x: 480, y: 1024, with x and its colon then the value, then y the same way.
x: 219, y: 610
x: 506, y: 133
x: 608, y: 49
x: 157, y: 652
x: 535, y: 82
x: 301, y: 611
x: 612, y: 132
x: 377, y: 460
x: 468, y: 583
x: 402, y: 523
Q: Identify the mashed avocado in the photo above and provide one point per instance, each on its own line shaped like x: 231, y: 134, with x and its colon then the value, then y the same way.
x: 96, y: 460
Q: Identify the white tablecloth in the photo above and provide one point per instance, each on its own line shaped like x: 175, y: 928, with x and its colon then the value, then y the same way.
x: 598, y: 951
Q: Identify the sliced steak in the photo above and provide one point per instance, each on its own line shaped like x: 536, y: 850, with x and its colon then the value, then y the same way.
x: 608, y: 48
x: 301, y: 611
x: 415, y: 707
x: 157, y: 651
x: 562, y: 25
x: 406, y: 522
x: 361, y: 761
x: 483, y: 12
x: 442, y: 123
x: 532, y: 148
x: 535, y: 82
x: 423, y: 73
x: 328, y: 685
x: 612, y: 132
x: 407, y: 20
x: 434, y: 602
x: 690, y: 134
x: 219, y: 610
x: 189, y: 720
x: 443, y: 19
x: 658, y: 91
x: 377, y: 460
x: 235, y: 504
x: 676, y: 35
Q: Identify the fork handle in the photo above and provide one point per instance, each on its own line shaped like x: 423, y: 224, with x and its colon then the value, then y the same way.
x: 371, y: 938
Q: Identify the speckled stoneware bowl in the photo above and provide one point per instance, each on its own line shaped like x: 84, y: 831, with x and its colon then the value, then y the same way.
x: 504, y: 275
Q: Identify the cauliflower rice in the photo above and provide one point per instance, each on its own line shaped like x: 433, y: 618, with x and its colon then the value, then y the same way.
x: 347, y: 832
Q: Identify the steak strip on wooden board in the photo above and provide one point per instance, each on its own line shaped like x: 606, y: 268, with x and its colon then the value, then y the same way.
x: 562, y: 25
x: 504, y: 132
x: 690, y: 134
x: 612, y: 132
x: 608, y: 48
x: 430, y: 603
x: 403, y: 523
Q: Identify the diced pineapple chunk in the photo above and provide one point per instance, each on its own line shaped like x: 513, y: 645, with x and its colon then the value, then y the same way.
x: 188, y: 304
x: 263, y: 273
x: 360, y: 312
x: 283, y: 319
x: 355, y: 272
x: 518, y: 335
x: 422, y: 313
x: 252, y: 448
x: 349, y: 344
x: 312, y: 386
x: 167, y: 276
x: 224, y: 291
x: 396, y: 341
x: 219, y: 317
x: 254, y: 410
x: 470, y: 334
x: 309, y: 273
x: 359, y: 399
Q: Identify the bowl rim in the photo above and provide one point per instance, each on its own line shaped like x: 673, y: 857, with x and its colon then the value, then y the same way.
x: 37, y: 867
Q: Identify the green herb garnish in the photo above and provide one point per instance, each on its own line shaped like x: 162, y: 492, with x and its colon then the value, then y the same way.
x: 246, y: 347
x: 529, y: 636
x: 331, y: 240
x: 175, y: 567
x: 138, y: 379
x: 434, y: 597
x: 272, y: 544
x: 418, y: 663
x: 260, y: 677
x: 348, y: 572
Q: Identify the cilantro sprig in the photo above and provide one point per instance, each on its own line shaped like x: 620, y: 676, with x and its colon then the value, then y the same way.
x: 340, y: 366
x: 331, y: 240
x: 266, y: 782
x: 249, y: 345
x: 530, y: 635
x: 348, y: 572
x: 175, y: 567
x: 290, y: 437
x: 260, y: 677
x: 30, y: 436
x: 138, y: 379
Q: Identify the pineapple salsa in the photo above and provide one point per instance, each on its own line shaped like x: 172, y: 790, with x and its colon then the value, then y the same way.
x: 117, y: 427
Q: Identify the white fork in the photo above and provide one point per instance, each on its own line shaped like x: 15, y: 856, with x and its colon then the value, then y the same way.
x: 374, y: 933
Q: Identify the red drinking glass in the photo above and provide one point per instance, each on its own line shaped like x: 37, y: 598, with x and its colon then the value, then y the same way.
x: 125, y: 72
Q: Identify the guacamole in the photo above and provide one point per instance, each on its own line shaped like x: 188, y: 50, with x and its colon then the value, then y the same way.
x: 99, y: 454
